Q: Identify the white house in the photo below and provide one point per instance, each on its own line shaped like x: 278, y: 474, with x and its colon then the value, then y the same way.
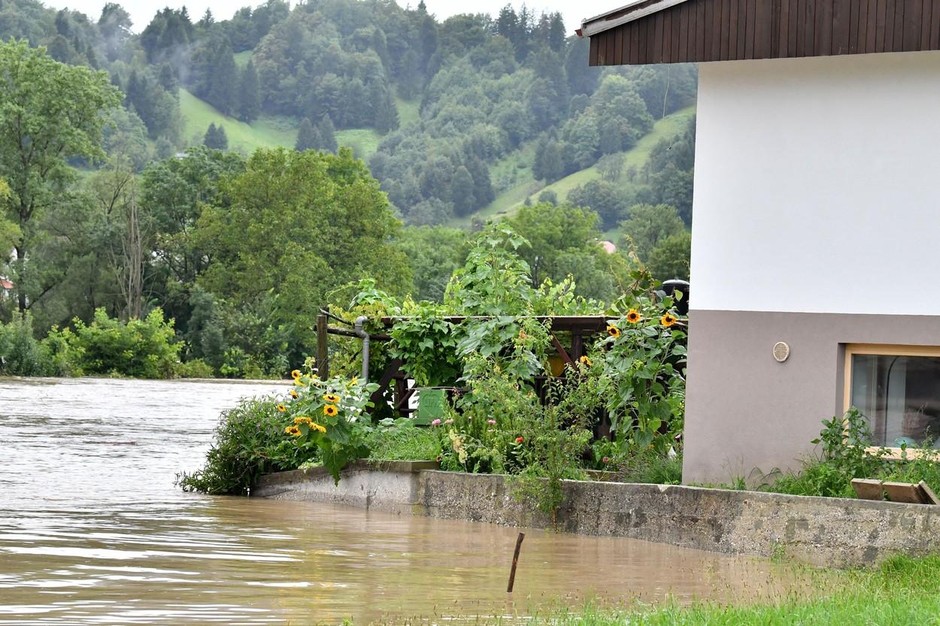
x: 816, y: 226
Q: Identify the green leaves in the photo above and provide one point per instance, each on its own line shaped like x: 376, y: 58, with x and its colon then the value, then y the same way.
x: 426, y: 345
x: 49, y: 112
x: 328, y: 419
x: 296, y: 226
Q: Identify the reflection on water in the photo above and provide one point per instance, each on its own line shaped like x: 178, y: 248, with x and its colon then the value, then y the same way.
x: 93, y: 531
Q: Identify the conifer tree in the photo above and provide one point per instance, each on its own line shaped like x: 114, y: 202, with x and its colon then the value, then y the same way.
x: 327, y: 135
x: 223, y: 81
x: 249, y: 94
x: 308, y: 137
x: 215, y: 137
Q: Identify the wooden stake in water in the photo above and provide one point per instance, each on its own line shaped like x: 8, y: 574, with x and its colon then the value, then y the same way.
x: 515, y: 562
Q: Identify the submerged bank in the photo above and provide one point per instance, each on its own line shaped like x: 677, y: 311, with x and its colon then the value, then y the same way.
x: 818, y: 531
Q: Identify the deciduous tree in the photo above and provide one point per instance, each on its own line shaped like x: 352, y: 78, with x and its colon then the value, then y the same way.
x: 297, y: 225
x: 49, y: 112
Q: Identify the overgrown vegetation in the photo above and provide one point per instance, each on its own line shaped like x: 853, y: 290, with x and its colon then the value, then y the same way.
x: 249, y: 442
x: 845, y: 454
x: 139, y: 348
x: 488, y: 345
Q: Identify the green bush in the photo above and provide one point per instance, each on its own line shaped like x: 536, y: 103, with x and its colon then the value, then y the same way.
x: 197, y: 368
x: 61, y: 353
x: 139, y: 348
x: 20, y: 354
x: 249, y: 441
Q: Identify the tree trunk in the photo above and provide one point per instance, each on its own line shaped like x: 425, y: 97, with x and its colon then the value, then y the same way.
x: 133, y: 260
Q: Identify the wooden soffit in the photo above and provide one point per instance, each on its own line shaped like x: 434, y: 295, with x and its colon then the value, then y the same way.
x: 695, y: 31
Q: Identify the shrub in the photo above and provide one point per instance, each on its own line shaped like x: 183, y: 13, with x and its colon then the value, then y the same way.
x: 248, y: 442
x: 19, y: 351
x: 61, y: 353
x: 197, y: 368
x: 139, y: 349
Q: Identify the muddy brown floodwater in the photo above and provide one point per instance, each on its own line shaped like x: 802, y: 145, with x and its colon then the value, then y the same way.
x: 93, y: 531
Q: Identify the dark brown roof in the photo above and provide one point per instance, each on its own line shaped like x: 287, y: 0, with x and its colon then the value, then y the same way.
x: 691, y: 31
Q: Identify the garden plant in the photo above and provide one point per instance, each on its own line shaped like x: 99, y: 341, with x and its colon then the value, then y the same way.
x: 618, y: 408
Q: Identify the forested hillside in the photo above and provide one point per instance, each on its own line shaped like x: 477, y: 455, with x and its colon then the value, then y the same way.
x: 456, y: 120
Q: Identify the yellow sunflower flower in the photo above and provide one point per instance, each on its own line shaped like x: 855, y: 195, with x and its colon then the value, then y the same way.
x: 319, y: 427
x: 281, y: 408
x: 633, y: 316
x: 613, y: 331
x: 293, y: 394
x: 303, y: 419
x: 668, y: 320
x: 295, y: 374
x: 332, y: 398
x: 330, y: 410
x: 585, y: 361
x: 292, y: 431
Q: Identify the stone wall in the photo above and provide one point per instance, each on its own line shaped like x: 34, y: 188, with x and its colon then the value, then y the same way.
x: 819, y: 531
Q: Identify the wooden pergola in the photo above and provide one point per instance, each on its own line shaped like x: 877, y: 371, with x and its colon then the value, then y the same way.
x: 576, y: 329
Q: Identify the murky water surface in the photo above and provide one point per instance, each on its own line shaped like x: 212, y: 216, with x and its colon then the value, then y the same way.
x: 93, y: 531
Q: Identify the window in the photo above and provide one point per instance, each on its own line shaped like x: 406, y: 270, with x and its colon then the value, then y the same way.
x: 898, y: 389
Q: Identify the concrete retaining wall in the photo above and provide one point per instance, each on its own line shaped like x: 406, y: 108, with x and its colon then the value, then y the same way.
x: 820, y: 531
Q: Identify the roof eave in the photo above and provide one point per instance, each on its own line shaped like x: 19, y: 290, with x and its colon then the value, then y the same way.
x: 628, y: 13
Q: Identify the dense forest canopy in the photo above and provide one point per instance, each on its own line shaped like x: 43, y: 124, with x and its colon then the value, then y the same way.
x: 134, y: 206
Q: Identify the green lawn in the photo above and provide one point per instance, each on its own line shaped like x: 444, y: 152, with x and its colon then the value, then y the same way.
x: 242, y: 58
x: 271, y: 131
x: 265, y: 132
x: 363, y: 141
x: 407, y: 111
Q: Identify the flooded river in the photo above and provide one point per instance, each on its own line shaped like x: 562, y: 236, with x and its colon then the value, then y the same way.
x: 94, y: 531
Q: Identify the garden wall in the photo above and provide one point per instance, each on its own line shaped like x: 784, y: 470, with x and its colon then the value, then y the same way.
x: 820, y: 531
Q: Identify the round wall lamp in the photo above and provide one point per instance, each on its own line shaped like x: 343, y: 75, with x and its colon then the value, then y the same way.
x: 781, y: 351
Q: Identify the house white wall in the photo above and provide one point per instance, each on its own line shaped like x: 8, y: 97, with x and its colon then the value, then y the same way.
x: 817, y: 185
x: 817, y: 223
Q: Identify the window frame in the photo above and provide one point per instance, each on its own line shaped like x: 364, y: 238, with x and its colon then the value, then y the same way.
x: 881, y: 349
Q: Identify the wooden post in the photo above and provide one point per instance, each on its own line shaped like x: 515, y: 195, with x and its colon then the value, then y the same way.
x: 323, y: 348
x: 515, y: 562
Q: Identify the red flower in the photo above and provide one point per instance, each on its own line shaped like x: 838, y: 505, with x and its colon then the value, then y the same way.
x: 519, y: 439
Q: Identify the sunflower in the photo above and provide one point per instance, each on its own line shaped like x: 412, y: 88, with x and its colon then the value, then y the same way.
x: 292, y: 431
x: 281, y: 408
x: 330, y: 410
x: 633, y: 316
x: 303, y: 419
x: 332, y: 398
x: 295, y: 374
x: 319, y: 427
x: 668, y: 320
x: 293, y: 394
x: 585, y: 361
x: 613, y: 331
